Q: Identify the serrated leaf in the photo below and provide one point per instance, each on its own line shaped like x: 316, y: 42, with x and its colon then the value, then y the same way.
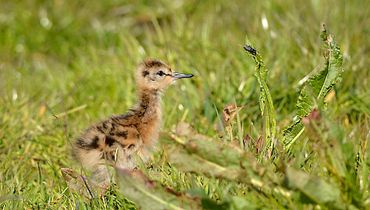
x: 218, y: 152
x: 309, y: 93
x: 292, y: 133
x: 248, y: 171
x: 149, y: 195
x: 265, y: 101
x: 316, y: 87
x: 194, y: 163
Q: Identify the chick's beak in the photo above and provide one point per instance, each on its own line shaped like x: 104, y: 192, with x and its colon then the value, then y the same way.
x: 178, y: 75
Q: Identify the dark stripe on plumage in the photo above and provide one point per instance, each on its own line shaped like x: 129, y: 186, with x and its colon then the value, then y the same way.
x: 153, y: 63
x: 145, y: 73
x: 109, y: 140
x: 83, y: 144
x: 105, y: 126
x: 122, y: 134
x: 100, y: 129
x: 109, y: 156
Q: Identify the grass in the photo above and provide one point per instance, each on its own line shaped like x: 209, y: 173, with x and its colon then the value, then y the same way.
x: 66, y: 64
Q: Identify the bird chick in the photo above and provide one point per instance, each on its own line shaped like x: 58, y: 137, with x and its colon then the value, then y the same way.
x: 117, y: 139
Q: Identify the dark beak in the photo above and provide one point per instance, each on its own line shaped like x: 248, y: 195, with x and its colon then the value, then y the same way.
x: 177, y: 75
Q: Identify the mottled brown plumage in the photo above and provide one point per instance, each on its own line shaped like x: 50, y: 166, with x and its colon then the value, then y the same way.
x: 115, y: 140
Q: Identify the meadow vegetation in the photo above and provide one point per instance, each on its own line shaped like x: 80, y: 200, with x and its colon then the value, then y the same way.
x: 299, y: 140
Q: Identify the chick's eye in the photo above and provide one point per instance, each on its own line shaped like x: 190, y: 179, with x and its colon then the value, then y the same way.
x: 160, y: 73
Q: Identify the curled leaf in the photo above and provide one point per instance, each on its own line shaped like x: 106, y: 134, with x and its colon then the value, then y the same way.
x: 317, y: 87
x: 229, y: 113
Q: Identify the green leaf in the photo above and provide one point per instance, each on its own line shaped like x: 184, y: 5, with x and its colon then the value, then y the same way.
x: 218, y: 152
x: 212, y: 205
x: 313, y: 187
x: 293, y: 132
x: 307, y: 98
x: 248, y: 171
x: 149, y: 195
x: 238, y: 202
x: 265, y: 101
x: 316, y: 87
x: 194, y: 163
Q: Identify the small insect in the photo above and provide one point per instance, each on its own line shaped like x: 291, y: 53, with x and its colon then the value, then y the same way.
x: 250, y: 49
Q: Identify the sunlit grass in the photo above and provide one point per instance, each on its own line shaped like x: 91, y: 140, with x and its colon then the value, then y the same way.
x: 57, y: 56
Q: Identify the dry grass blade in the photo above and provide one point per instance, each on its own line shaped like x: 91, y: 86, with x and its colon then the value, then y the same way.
x: 82, y: 185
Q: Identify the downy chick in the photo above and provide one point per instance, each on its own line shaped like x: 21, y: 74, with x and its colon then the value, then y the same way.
x: 115, y: 140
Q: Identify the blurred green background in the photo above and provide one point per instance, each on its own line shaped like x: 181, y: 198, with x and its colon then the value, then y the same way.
x: 76, y: 60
